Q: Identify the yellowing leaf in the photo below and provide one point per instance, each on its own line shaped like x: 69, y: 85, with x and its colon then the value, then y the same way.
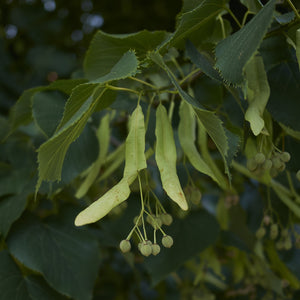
x: 258, y: 92
x: 165, y: 156
x: 100, y: 208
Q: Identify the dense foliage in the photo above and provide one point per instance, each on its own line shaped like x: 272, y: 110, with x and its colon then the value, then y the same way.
x: 178, y: 148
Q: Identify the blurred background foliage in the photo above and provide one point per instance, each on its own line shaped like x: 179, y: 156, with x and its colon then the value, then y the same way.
x: 43, y: 40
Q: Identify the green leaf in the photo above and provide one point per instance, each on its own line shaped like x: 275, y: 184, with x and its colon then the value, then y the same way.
x: 280, y: 267
x: 51, y: 154
x: 284, y: 81
x: 67, y: 257
x: 11, y: 208
x: 21, y: 113
x: 12, y: 284
x: 258, y: 92
x: 126, y: 66
x: 187, y: 137
x: 47, y: 109
x: 107, y: 49
x: 212, y: 124
x: 201, y: 61
x: 38, y: 289
x: 254, y: 6
x: 198, y: 22
x: 80, y: 155
x: 191, y: 235
x: 235, y: 51
x: 165, y: 156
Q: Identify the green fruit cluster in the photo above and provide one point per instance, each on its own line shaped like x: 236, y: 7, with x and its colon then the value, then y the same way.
x: 156, y: 221
x: 259, y: 164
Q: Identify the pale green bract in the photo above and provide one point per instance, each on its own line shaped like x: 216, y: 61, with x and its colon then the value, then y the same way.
x: 187, y: 137
x: 211, y: 122
x: 135, y: 161
x: 258, y: 93
x: 165, y: 156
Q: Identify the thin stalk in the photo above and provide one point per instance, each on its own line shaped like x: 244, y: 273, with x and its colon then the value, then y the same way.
x: 116, y: 88
x: 222, y: 26
x: 189, y: 75
x: 143, y: 82
x: 294, y: 9
x: 142, y: 204
x: 233, y: 16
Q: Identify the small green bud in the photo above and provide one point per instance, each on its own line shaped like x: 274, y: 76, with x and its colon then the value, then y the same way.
x: 273, y: 172
x: 251, y: 164
x: 125, y: 246
x: 260, y: 233
x: 267, y: 220
x: 285, y: 156
x: 276, y: 162
x: 195, y: 196
x: 167, y: 241
x: 155, y: 249
x: 167, y: 219
x: 298, y: 175
x: 158, y: 222
x: 282, y: 167
x: 288, y: 244
x: 146, y: 249
x: 274, y: 231
x: 259, y: 158
x: 149, y: 219
x: 267, y: 165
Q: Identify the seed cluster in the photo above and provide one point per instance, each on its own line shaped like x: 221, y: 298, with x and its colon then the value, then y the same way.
x: 276, y: 163
x: 282, y: 236
x: 146, y: 246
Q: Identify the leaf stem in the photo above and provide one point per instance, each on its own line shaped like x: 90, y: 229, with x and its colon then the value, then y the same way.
x: 222, y: 26
x: 189, y: 75
x: 116, y: 88
x: 143, y: 82
x: 294, y: 9
x: 142, y: 204
x: 233, y: 16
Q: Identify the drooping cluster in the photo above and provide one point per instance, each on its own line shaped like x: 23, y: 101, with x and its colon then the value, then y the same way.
x: 282, y: 236
x: 276, y: 163
x: 146, y: 246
